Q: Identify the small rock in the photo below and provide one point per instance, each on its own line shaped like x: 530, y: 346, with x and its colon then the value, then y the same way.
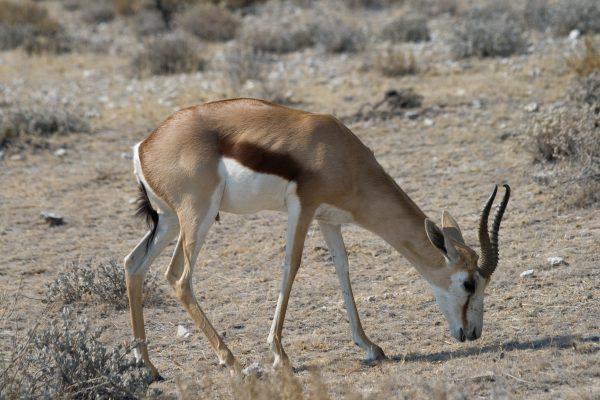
x: 414, y: 114
x: 370, y: 298
x: 527, y: 273
x: 461, y: 92
x: 504, y: 135
x: 428, y: 122
x: 60, y: 152
x: 126, y: 156
x: 556, y: 261
x: 574, y: 34
x: 254, y: 369
x: 183, y: 332
x: 16, y: 157
x: 532, y: 107
x: 52, y: 219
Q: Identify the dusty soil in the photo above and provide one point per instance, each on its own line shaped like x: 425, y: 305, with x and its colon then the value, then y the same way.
x: 540, y: 337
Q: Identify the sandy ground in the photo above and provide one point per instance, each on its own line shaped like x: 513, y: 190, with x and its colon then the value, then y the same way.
x: 541, y: 333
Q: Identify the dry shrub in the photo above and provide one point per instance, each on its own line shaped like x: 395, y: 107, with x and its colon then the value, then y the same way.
x: 434, y: 8
x: 29, y: 25
x: 99, y: 283
x: 372, y: 4
x: 126, y: 7
x: 66, y: 359
x: 281, y: 385
x: 586, y: 89
x: 392, y: 61
x: 568, y: 140
x: 148, y: 23
x: 171, y: 53
x: 98, y: 12
x: 243, y: 64
x: 589, y: 62
x: 208, y: 22
x: 407, y: 29
x: 490, y: 31
x: 277, y: 37
x: 566, y: 15
x: 536, y: 14
x: 337, y: 35
x: 26, y: 121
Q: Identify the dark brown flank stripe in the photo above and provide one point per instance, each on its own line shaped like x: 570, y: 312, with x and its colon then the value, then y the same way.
x: 261, y: 160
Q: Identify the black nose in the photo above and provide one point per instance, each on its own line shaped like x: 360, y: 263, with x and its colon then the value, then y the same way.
x: 462, y: 335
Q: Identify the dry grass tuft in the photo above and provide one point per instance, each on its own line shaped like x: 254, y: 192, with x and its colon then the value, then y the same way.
x: 407, y: 29
x: 100, y: 283
x: 277, y: 37
x: 589, y: 62
x: 67, y: 360
x: 171, y: 53
x: 566, y: 15
x: 27, y: 121
x: 208, y: 22
x: 29, y: 25
x: 392, y: 61
x: 337, y: 35
x: 568, y: 141
x: 489, y: 31
x: 434, y: 8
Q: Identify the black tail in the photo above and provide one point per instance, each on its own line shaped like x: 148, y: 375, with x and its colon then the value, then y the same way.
x: 144, y: 210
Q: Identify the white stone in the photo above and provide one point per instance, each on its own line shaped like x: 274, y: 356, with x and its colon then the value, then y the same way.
x: 574, y: 34
x: 254, y: 369
x: 183, y: 332
x: 532, y: 107
x: 556, y: 261
x: 428, y: 122
x: 60, y: 152
x: 527, y: 273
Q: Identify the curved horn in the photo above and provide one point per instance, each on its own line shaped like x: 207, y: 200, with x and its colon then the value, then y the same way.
x: 488, y: 268
x: 484, y: 237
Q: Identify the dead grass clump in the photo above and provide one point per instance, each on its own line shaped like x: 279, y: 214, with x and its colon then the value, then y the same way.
x: 208, y: 22
x: 29, y: 25
x: 23, y: 121
x: 568, y: 140
x: 407, y: 29
x: 490, y: 31
x: 371, y: 4
x: 337, y: 35
x: 434, y: 8
x: 148, y: 23
x: 393, y: 61
x: 536, y: 14
x: 583, y: 15
x: 281, y: 385
x: 100, y: 283
x: 126, y: 7
x: 68, y: 360
x: 243, y: 64
x: 171, y: 53
x: 589, y: 62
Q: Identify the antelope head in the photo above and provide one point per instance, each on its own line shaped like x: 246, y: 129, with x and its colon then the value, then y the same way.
x: 461, y: 298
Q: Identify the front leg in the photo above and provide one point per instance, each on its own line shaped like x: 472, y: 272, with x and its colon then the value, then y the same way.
x: 335, y: 243
x: 299, y: 220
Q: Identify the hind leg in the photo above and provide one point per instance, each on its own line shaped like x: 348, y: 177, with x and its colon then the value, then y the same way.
x: 196, y: 219
x: 137, y: 264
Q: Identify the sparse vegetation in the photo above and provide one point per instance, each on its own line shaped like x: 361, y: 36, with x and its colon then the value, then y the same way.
x: 566, y: 15
x: 28, y: 24
x: 98, y: 12
x: 27, y: 121
x: 277, y: 37
x: 490, y: 31
x: 337, y: 35
x: 589, y: 61
x: 170, y: 53
x: 98, y: 282
x: 392, y: 61
x: 67, y: 359
x: 208, y: 22
x: 407, y: 29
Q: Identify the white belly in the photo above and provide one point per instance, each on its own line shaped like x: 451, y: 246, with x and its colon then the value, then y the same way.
x: 247, y: 191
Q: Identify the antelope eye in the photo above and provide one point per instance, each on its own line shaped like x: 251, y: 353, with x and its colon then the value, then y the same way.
x: 469, y: 286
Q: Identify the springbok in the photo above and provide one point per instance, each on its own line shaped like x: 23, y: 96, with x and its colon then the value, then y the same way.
x: 245, y: 155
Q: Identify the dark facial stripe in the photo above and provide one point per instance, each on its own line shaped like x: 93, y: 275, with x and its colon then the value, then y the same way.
x: 261, y: 160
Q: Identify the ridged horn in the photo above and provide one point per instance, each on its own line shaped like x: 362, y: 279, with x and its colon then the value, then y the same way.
x: 489, y: 248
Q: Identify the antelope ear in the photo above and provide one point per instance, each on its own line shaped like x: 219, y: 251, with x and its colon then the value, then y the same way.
x: 450, y: 228
x: 440, y: 240
x: 435, y: 235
